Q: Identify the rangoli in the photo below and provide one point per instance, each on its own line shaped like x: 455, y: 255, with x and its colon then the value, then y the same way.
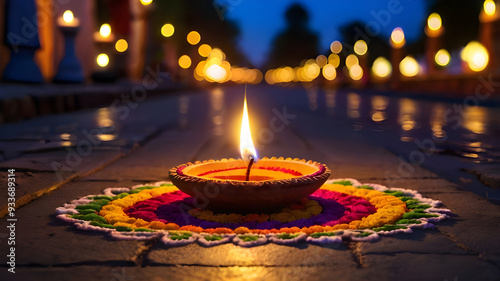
x: 341, y: 210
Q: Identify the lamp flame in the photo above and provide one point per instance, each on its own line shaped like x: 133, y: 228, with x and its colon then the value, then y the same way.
x: 105, y: 30
x: 68, y: 16
x: 247, y: 148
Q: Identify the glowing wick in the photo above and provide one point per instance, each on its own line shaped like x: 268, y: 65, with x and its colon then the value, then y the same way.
x: 247, y: 177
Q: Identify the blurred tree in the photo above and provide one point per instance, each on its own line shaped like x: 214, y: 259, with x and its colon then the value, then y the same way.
x: 460, y: 21
x: 216, y: 31
x: 199, y: 15
x: 296, y: 42
x: 354, y: 31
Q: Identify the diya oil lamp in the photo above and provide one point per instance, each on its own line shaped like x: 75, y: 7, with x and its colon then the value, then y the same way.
x: 249, y: 183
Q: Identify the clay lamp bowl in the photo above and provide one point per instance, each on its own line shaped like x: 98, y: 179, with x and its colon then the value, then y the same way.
x: 273, y: 183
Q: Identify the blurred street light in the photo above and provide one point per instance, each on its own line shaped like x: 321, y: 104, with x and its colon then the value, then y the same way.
x: 336, y: 47
x: 334, y: 60
x: 475, y: 55
x: 409, y: 67
x: 105, y: 30
x: 204, y: 50
x: 102, y: 60
x: 329, y: 72
x: 434, y: 26
x: 489, y: 7
x: 193, y: 37
x: 68, y: 16
x: 216, y: 73
x: 442, y: 57
x: 356, y: 72
x: 167, y: 30
x: 398, y: 38
x: 121, y: 45
x: 381, y: 67
x: 360, y: 47
x: 146, y: 2
x: 351, y: 60
x: 185, y: 61
x: 434, y: 21
x: 321, y: 60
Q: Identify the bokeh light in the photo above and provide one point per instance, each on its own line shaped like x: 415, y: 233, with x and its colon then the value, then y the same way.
x: 193, y: 37
x: 407, y: 112
x: 167, y: 30
x: 409, y: 67
x: 105, y: 30
x: 216, y: 69
x: 442, y: 57
x: 334, y: 60
x: 269, y: 77
x: 489, y: 7
x: 185, y: 61
x: 216, y: 73
x: 244, y: 75
x: 321, y: 60
x: 146, y: 2
x: 381, y: 67
x: 121, y: 45
x: 356, y: 72
x: 398, y: 38
x: 434, y: 22
x: 285, y: 74
x: 102, y: 60
x: 204, y: 50
x: 351, y: 60
x: 68, y: 16
x: 360, y: 47
x: 311, y: 71
x: 329, y: 72
x: 336, y: 47
x: 476, y: 56
x: 474, y: 119
x: 217, y: 53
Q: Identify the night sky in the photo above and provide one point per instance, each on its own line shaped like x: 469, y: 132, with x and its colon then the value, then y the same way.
x: 260, y: 20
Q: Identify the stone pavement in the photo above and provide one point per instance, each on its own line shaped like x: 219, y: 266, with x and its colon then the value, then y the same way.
x: 54, y: 165
x: 20, y: 101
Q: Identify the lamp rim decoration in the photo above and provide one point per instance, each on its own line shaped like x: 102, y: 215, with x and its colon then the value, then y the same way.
x: 274, y: 183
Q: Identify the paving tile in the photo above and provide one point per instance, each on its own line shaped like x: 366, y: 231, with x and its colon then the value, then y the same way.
x: 363, y: 161
x: 398, y: 267
x: 475, y: 222
x: 120, y: 273
x: 26, y: 190
x: 410, y: 266
x: 38, y: 174
x: 42, y: 239
x: 67, y: 161
x: 431, y: 187
x: 153, y: 161
x: 266, y: 255
x: 420, y: 241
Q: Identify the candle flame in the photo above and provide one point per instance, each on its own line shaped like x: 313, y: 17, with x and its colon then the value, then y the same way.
x: 68, y: 16
x: 489, y: 7
x: 105, y: 30
x: 397, y: 38
x: 247, y: 148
